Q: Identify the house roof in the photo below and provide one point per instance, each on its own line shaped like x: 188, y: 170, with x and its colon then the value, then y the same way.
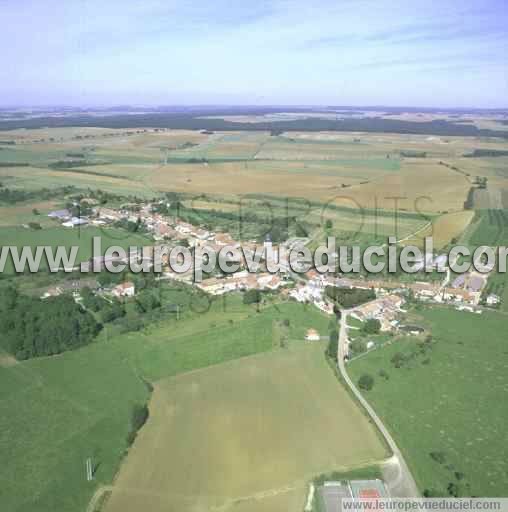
x: 125, y: 286
x: 60, y: 214
x: 458, y: 292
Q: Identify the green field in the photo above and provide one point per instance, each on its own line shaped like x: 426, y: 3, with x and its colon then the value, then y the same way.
x: 55, y: 412
x: 490, y: 227
x: 246, y: 435
x: 449, y: 400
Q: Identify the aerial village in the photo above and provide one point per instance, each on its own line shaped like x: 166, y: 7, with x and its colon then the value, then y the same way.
x: 465, y: 292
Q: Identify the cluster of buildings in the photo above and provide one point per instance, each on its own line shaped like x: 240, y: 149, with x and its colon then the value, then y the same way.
x: 464, y: 291
x: 67, y: 219
x: 240, y: 281
x: 385, y: 309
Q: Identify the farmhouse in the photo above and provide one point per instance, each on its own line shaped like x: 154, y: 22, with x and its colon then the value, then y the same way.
x: 184, y: 228
x: 270, y: 281
x: 161, y: 229
x: 306, y: 293
x: 126, y: 289
x: 384, y: 309
x: 52, y: 292
x: 108, y: 214
x: 459, y: 295
x: 213, y: 285
x: 424, y: 290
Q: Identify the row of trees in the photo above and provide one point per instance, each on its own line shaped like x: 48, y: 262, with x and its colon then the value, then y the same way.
x: 12, y: 196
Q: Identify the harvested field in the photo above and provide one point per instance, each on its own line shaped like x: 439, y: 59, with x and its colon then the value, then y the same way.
x: 242, y: 436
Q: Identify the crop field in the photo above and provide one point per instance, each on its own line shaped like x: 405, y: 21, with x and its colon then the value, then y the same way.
x: 245, y: 435
x: 378, y: 191
x: 489, y: 227
x: 357, y: 171
x: 348, y: 224
x: 443, y: 229
x: 57, y: 411
x: 280, y: 165
x: 444, y: 406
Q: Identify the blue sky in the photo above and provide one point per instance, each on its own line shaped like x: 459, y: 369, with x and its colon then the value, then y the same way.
x: 347, y: 52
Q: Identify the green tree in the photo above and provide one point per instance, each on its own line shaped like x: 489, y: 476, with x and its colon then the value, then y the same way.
x: 333, y: 344
x: 371, y: 326
x: 358, y: 346
x: 252, y: 297
x: 112, y: 311
x: 398, y: 359
x: 33, y: 327
x: 146, y: 301
x: 366, y: 382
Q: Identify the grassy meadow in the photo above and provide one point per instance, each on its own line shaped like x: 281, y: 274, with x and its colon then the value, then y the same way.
x: 445, y: 407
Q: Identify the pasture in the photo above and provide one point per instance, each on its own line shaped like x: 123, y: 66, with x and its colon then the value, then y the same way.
x: 246, y: 435
x: 444, y: 407
x: 57, y: 411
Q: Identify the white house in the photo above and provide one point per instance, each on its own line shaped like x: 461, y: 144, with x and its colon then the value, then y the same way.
x: 493, y: 299
x: 126, y: 289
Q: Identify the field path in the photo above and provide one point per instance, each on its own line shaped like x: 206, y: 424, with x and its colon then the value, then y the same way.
x: 399, y: 479
x: 411, y: 235
x: 97, y: 495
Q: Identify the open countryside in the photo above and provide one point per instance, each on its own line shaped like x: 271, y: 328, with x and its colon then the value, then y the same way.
x: 156, y: 331
x: 280, y: 408
x: 272, y: 239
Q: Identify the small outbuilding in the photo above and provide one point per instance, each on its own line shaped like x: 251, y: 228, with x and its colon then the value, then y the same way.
x: 312, y: 335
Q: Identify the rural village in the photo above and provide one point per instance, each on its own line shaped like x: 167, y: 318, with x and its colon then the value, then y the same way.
x: 464, y: 292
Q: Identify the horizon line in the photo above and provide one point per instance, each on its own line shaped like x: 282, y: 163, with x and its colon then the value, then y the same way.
x: 120, y: 106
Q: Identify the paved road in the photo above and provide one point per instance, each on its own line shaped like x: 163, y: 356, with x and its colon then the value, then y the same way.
x: 398, y: 478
